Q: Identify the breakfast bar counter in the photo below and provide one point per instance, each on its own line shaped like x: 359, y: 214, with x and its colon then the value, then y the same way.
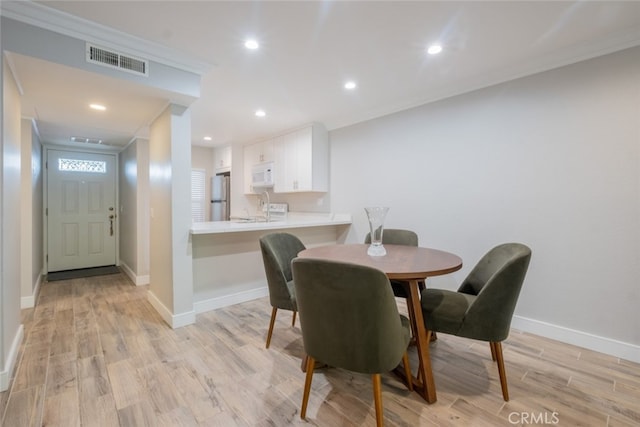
x: 226, y: 258
x: 293, y: 220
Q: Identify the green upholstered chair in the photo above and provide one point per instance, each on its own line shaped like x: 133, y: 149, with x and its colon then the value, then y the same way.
x: 393, y: 236
x: 278, y: 249
x: 483, y: 306
x: 349, y: 320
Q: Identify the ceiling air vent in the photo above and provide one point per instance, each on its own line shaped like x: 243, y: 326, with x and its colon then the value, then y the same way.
x: 85, y: 140
x: 109, y: 58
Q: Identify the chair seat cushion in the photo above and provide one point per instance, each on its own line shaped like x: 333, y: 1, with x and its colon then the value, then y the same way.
x: 444, y: 310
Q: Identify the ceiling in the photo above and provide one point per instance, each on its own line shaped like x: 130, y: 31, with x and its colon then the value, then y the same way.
x: 308, y: 50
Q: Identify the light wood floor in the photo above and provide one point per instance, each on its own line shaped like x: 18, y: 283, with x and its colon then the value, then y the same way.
x: 96, y: 354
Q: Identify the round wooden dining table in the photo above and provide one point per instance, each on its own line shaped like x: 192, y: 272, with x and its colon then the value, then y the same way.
x: 411, y: 265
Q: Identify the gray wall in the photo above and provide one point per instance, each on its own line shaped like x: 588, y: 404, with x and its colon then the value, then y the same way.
x: 550, y: 160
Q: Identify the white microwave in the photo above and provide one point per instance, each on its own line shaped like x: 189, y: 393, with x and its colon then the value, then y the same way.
x: 262, y: 175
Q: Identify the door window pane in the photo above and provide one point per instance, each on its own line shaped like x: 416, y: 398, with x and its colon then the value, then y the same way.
x: 76, y: 165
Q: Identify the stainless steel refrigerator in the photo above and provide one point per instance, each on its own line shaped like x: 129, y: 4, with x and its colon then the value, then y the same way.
x: 220, y: 197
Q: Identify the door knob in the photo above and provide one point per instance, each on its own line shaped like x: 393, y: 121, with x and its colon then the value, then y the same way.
x: 111, y: 218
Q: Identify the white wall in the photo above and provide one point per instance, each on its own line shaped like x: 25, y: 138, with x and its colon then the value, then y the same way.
x: 171, y: 287
x: 127, y: 193
x: 133, y: 218
x: 37, y: 188
x: 551, y: 160
x: 10, y: 327
x: 161, y: 286
x: 143, y: 216
x: 31, y: 226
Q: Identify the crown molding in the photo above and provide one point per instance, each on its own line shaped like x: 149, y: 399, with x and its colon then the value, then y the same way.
x: 61, y: 22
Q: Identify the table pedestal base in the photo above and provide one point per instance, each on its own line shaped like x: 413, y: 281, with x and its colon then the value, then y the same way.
x: 423, y: 384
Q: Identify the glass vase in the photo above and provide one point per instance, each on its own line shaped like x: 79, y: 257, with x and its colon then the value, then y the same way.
x: 376, y: 216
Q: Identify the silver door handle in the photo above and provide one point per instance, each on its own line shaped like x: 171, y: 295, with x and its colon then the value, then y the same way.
x: 111, y: 218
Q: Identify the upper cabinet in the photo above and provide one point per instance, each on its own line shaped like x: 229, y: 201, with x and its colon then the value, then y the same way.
x: 300, y: 160
x: 259, y: 153
x: 222, y: 159
x: 253, y: 154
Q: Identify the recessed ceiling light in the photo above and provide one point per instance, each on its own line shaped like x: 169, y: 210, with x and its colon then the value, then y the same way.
x: 434, y: 49
x: 350, y: 85
x: 260, y: 113
x: 97, y: 107
x: 207, y: 138
x: 251, y: 44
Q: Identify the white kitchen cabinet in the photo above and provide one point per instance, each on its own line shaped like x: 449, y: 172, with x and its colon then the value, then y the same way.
x: 222, y: 159
x: 259, y: 153
x: 254, y: 154
x: 302, y: 160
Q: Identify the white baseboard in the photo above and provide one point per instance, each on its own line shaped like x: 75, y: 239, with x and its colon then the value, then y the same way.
x: 137, y: 280
x: 30, y: 300
x: 9, y: 366
x: 227, y: 300
x: 27, y: 302
x: 173, y: 320
x: 609, y: 346
x: 184, y: 319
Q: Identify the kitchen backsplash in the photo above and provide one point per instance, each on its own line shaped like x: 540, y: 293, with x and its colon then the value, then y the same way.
x: 298, y: 202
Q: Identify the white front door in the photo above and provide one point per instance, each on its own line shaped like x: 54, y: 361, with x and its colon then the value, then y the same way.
x: 81, y: 196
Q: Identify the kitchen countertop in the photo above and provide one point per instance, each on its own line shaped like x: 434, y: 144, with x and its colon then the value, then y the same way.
x: 293, y: 220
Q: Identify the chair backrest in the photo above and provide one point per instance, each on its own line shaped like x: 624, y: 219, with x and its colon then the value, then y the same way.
x: 348, y: 316
x: 278, y: 249
x: 394, y: 236
x: 496, y: 281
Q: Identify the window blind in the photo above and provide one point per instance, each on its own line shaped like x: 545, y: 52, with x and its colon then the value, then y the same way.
x: 198, y: 199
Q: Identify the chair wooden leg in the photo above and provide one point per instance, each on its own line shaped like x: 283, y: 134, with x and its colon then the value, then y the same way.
x: 377, y: 398
x: 503, y: 374
x: 293, y: 321
x: 307, y: 386
x: 273, y: 321
x: 493, y: 351
x: 407, y: 370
